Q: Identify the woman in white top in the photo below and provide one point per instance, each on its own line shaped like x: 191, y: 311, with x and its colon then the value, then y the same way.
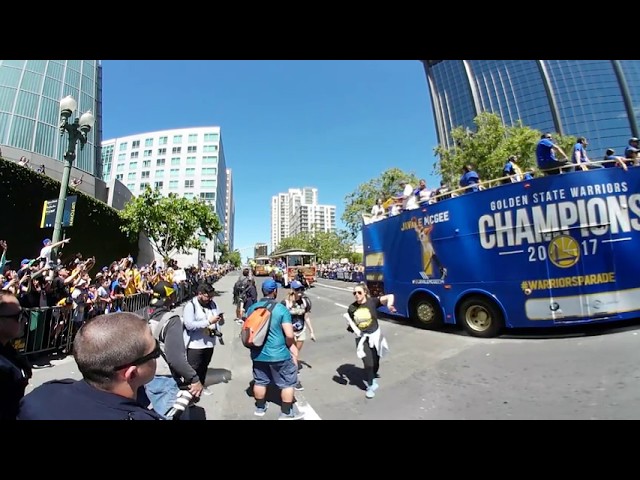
x: 377, y: 212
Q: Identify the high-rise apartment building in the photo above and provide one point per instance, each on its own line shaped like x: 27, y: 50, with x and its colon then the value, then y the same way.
x: 189, y: 162
x: 597, y: 99
x: 30, y: 94
x: 298, y: 211
x: 230, y: 212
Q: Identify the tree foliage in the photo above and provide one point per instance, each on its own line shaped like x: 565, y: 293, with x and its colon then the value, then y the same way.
x: 326, y: 245
x: 364, y: 197
x: 231, y: 256
x: 488, y: 148
x: 173, y: 224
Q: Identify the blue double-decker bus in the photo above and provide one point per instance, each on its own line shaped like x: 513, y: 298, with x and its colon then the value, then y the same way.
x: 553, y: 251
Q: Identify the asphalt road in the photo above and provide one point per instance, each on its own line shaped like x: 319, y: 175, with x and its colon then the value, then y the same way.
x: 577, y: 374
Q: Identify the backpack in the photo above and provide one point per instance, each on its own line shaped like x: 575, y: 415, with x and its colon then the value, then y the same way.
x: 240, y: 288
x: 255, y: 328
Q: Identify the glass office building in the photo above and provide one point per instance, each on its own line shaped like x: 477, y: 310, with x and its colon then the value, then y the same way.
x: 30, y: 94
x: 596, y: 99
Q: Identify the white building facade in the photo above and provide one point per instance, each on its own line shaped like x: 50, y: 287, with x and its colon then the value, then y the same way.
x: 189, y: 162
x: 230, y: 212
x: 298, y: 211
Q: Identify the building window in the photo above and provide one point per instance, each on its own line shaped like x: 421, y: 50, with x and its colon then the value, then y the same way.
x: 190, y: 172
x: 176, y: 150
x: 162, y: 140
x: 160, y: 162
x: 143, y: 186
x: 134, y: 154
x: 131, y: 186
x: 207, y: 184
x: 211, y: 137
x: 208, y: 196
x: 133, y: 165
x: 145, y: 174
x: 122, y: 157
x: 210, y: 148
x: 120, y: 176
x: 148, y: 142
x: 175, y: 172
x: 160, y: 173
x: 162, y: 151
x: 210, y: 160
x: 159, y: 185
x: 177, y: 139
x: 175, y: 162
x: 188, y: 196
x: 192, y: 149
x: 120, y: 167
x: 148, y: 153
x: 135, y: 144
x: 131, y: 176
x: 191, y: 160
x: 207, y: 172
x: 193, y: 138
x: 188, y: 183
x: 123, y: 146
x: 173, y: 185
x: 146, y: 163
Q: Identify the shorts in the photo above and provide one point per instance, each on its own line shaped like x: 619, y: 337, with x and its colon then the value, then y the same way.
x: 284, y: 374
x: 301, y: 336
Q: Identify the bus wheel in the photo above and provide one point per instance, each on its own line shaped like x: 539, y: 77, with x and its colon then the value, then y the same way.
x: 426, y: 313
x: 480, y: 317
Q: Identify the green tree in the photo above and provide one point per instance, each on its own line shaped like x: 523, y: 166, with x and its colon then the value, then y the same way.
x: 326, y: 245
x: 364, y: 197
x: 488, y: 148
x: 173, y: 224
x: 234, y: 258
x: 223, y: 250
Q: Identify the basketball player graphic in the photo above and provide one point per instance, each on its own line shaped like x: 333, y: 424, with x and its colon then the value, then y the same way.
x: 428, y: 252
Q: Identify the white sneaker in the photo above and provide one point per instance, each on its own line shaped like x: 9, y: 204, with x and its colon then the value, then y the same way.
x: 207, y: 392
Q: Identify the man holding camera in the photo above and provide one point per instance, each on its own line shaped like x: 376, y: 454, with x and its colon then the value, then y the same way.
x: 173, y: 371
x: 202, y: 323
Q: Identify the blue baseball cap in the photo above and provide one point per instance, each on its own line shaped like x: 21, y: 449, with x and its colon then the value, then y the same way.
x: 46, y: 241
x: 24, y: 261
x: 269, y: 286
x: 296, y: 285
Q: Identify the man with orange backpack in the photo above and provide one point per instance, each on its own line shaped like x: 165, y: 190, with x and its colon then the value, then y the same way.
x: 272, y: 361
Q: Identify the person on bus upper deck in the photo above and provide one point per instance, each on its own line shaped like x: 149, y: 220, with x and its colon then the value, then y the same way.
x: 442, y: 192
x: 422, y: 193
x: 409, y: 200
x: 631, y: 152
x: 612, y: 160
x: 546, y: 158
x: 579, y: 156
x: 469, y: 180
x: 377, y: 211
x: 511, y: 170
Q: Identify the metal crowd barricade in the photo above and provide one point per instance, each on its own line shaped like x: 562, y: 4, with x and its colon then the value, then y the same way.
x: 50, y: 329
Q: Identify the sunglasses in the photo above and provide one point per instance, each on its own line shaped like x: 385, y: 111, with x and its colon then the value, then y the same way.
x: 156, y: 353
x: 357, y: 293
x: 298, y: 290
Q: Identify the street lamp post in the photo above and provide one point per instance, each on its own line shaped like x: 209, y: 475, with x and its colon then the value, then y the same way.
x: 76, y: 131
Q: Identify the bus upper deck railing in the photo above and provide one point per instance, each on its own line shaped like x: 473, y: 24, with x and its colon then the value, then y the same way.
x: 496, y: 182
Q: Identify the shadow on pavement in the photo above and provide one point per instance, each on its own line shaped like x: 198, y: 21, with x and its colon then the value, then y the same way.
x: 217, y: 375
x: 349, y: 374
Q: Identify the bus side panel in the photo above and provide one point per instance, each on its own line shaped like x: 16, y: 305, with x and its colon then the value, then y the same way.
x: 557, y: 249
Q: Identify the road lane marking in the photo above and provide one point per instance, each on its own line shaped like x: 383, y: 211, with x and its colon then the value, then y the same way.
x: 341, y: 306
x: 309, y: 412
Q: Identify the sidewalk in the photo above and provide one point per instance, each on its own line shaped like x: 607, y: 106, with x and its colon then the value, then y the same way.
x: 217, y: 377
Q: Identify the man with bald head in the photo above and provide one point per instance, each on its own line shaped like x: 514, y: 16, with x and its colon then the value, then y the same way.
x: 14, y: 369
x: 116, y: 355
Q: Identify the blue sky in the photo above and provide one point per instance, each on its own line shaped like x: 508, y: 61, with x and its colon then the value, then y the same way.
x: 330, y: 124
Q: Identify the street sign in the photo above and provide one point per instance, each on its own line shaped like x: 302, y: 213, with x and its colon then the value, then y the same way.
x: 49, y: 212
